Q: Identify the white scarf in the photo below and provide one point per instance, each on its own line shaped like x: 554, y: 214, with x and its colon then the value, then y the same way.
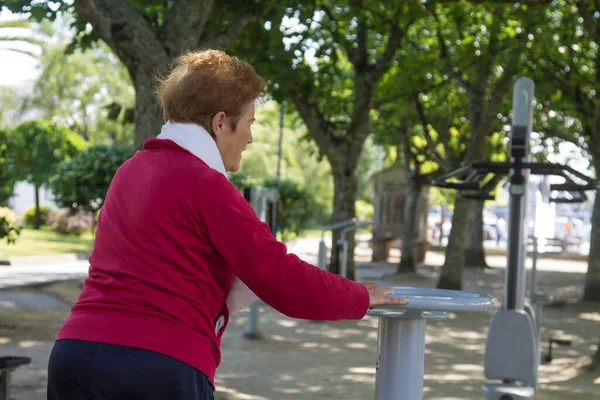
x: 198, y: 141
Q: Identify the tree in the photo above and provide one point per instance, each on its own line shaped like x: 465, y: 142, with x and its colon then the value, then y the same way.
x: 7, y: 174
x: 147, y: 35
x: 481, y: 49
x: 81, y: 182
x: 495, y: 151
x: 395, y: 123
x: 80, y: 90
x: 35, y: 148
x: 569, y: 61
x: 328, y: 64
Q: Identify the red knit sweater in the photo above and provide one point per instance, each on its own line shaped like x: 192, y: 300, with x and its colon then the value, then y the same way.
x: 171, y: 236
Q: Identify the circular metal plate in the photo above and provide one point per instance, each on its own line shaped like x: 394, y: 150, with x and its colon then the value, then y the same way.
x: 427, y: 299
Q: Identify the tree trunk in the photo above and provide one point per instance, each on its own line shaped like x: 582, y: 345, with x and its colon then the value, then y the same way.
x: 595, y: 360
x: 591, y: 290
x: 592, y: 277
x: 38, y: 217
x: 452, y: 270
x: 345, y: 188
x: 409, y: 229
x: 148, y: 114
x: 474, y: 253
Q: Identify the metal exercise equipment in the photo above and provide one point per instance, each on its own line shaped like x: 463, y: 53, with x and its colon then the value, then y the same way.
x: 322, y: 255
x: 264, y: 203
x: 346, y: 227
x: 538, y: 301
x: 7, y: 367
x: 401, y: 339
x: 512, y: 353
x: 343, y: 243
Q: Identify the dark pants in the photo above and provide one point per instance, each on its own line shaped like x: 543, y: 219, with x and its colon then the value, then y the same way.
x: 80, y: 370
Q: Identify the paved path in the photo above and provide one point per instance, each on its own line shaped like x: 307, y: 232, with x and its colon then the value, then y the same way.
x: 39, y: 271
x: 21, y: 275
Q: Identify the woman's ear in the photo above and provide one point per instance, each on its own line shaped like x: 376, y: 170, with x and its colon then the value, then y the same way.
x: 219, y: 123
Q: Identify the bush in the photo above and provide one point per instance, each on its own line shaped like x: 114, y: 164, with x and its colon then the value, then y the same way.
x: 295, y: 207
x: 9, y: 227
x: 64, y: 221
x: 240, y: 180
x: 82, y: 182
x: 28, y: 216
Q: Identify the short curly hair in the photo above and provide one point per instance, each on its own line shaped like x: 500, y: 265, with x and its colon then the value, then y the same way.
x: 206, y: 82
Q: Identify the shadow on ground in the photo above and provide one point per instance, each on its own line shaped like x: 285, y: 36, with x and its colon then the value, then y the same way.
x: 308, y: 360
x: 336, y: 360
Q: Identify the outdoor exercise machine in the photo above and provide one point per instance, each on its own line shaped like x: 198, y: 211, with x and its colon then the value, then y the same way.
x: 512, y: 353
x: 401, y: 337
x: 322, y: 255
x: 264, y: 202
x: 343, y: 244
x: 345, y: 227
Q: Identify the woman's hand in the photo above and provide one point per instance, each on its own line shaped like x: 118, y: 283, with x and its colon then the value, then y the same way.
x: 379, y: 296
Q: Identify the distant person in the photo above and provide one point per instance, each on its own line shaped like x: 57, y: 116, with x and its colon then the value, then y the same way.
x: 178, y: 249
x: 568, y: 229
x: 501, y: 231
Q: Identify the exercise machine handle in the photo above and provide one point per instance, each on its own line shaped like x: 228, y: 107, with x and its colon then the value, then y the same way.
x: 573, y: 187
x: 458, y: 185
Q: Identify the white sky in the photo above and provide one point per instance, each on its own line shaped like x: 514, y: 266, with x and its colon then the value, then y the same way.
x: 15, y: 68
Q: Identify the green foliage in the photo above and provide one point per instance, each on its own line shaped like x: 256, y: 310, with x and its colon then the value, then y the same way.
x: 294, y: 208
x: 364, y: 210
x: 82, y: 90
x: 242, y: 180
x: 37, y: 147
x: 9, y: 228
x: 7, y: 173
x: 81, y: 182
x: 300, y: 159
x: 29, y: 217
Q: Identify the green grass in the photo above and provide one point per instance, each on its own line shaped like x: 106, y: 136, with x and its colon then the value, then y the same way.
x: 316, y: 233
x: 45, y: 241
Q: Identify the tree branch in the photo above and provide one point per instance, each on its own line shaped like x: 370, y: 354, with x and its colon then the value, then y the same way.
x: 562, y: 135
x: 126, y: 32
x: 377, y: 104
x: 230, y: 33
x: 184, y: 24
x: 314, y: 121
x: 361, y: 59
x: 483, y: 69
x: 430, y: 143
x: 444, y: 53
x: 395, y: 37
x: 587, y: 13
x: 341, y: 39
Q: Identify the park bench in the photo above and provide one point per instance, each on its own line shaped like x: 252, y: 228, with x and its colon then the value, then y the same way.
x: 7, y: 366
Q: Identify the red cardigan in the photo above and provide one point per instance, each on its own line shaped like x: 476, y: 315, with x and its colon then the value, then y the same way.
x: 171, y: 236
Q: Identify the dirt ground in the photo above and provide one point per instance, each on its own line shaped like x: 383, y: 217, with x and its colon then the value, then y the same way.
x: 307, y: 360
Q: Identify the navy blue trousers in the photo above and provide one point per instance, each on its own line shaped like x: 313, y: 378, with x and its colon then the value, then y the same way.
x: 81, y: 370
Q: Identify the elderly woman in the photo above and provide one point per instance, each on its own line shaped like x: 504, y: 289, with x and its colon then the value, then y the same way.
x: 178, y: 248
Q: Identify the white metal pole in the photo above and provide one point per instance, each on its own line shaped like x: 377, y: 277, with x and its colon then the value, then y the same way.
x: 401, y: 359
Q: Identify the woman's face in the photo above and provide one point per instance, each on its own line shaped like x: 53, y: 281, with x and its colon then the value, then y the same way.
x: 231, y: 143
